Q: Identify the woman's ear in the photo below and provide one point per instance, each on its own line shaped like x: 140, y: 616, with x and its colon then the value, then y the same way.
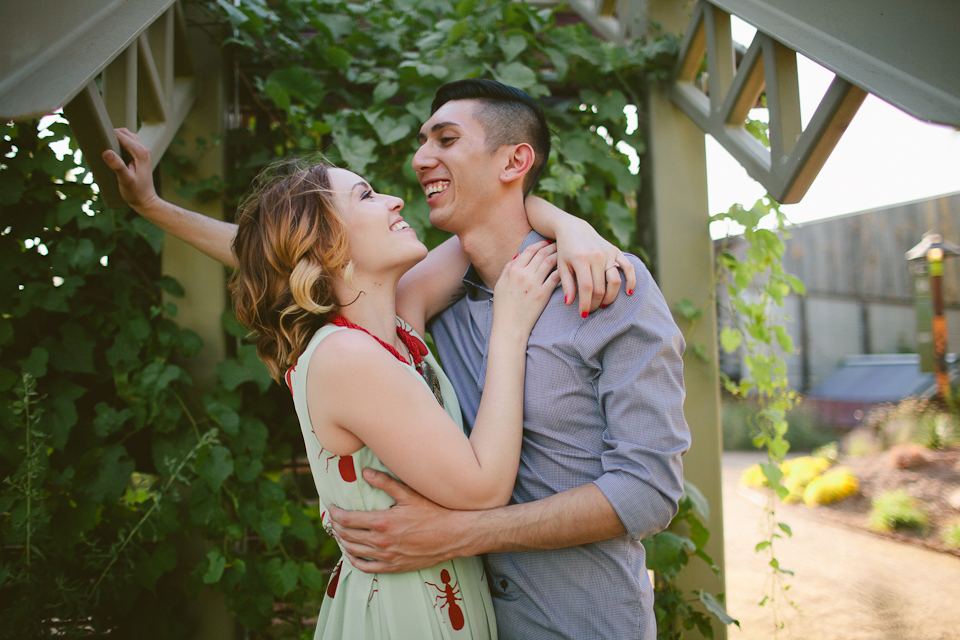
x: 518, y: 162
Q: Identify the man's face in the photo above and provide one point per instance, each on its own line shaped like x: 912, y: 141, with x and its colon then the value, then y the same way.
x: 453, y: 166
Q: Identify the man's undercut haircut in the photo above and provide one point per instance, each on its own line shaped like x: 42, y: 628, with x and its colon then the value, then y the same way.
x: 507, y: 115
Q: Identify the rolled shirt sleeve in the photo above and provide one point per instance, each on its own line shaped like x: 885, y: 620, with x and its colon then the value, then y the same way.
x: 638, y: 350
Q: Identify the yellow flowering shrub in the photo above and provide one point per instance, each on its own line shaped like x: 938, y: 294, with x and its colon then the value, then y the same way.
x: 832, y: 486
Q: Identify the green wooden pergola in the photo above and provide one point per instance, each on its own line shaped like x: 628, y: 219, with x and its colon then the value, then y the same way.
x: 113, y: 63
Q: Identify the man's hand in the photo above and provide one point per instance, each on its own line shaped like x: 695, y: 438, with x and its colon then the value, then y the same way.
x: 136, y: 178
x: 596, y: 263
x: 413, y: 534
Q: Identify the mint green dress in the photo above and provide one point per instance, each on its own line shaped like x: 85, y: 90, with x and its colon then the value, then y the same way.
x: 448, y: 601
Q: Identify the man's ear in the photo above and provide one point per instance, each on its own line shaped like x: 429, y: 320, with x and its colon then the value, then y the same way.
x: 518, y: 162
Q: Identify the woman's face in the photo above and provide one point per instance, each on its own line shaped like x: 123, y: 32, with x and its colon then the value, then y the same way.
x: 379, y: 239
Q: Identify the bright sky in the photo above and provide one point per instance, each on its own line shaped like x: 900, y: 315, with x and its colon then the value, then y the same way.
x: 885, y: 157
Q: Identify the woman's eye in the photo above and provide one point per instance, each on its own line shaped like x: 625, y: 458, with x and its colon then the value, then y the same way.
x: 366, y: 194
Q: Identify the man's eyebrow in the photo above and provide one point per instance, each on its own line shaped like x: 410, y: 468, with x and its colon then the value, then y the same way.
x: 437, y: 127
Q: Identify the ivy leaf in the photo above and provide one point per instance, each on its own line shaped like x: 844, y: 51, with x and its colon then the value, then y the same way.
x: 312, y: 577
x: 246, y: 368
x: 689, y: 311
x: 664, y: 552
x: 227, y: 418
x: 730, y: 339
x: 217, y: 467
x: 785, y: 528
x: 235, y: 16
x: 512, y: 45
x: 281, y: 576
x: 783, y: 338
x: 621, y: 221
x: 217, y: 563
x: 150, y: 567
x: 356, y: 151
x: 715, y: 607
x: 109, y: 420
x: 149, y: 232
x: 170, y: 286
x: 516, y: 74
x: 700, y: 503
x: 297, y: 82
x: 559, y: 61
x: 384, y: 91
x: 611, y: 106
x: 301, y: 525
x: 36, y: 363
x: 113, y: 474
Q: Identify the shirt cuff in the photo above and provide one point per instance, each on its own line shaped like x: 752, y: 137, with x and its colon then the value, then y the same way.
x: 642, y: 509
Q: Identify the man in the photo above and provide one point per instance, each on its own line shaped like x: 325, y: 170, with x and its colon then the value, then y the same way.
x: 603, y: 405
x: 603, y: 422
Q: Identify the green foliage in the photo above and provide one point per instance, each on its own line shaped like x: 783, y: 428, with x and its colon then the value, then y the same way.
x: 740, y: 426
x: 668, y: 552
x: 926, y: 421
x: 355, y: 82
x: 951, y: 535
x: 118, y: 472
x: 757, y: 286
x: 897, y: 509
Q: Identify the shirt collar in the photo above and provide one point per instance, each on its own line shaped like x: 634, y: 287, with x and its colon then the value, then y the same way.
x: 474, y: 283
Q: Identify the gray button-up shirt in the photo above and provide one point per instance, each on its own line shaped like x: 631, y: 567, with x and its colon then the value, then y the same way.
x: 603, y: 403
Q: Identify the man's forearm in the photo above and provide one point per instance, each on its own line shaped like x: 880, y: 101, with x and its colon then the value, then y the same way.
x: 574, y: 517
x: 212, y: 237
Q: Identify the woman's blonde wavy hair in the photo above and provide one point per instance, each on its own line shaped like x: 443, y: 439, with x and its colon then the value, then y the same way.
x: 291, y: 244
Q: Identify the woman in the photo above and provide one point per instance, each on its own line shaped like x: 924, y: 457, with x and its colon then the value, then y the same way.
x: 320, y: 258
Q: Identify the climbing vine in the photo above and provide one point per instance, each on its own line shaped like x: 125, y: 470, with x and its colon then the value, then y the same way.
x: 756, y: 286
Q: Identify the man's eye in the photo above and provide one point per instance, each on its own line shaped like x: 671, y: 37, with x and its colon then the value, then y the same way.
x: 446, y: 141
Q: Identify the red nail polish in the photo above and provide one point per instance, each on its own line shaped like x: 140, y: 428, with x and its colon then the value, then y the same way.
x: 583, y: 315
x: 515, y: 257
x: 603, y: 306
x: 629, y: 292
x: 565, y: 299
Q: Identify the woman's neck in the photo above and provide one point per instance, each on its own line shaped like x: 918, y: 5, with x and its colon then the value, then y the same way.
x: 374, y: 307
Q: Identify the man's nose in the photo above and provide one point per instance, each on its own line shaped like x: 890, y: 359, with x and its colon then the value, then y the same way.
x: 423, y: 159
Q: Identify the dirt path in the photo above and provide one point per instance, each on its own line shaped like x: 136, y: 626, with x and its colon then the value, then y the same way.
x: 849, y: 585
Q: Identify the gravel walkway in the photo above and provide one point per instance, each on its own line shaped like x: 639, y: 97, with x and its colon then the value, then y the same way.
x: 849, y: 585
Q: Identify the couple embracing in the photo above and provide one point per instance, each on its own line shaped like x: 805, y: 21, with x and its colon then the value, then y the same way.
x: 509, y: 493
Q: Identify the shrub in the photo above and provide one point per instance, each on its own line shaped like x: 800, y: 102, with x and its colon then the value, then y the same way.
x: 833, y: 486
x: 799, y: 472
x: 897, y: 509
x: 920, y: 420
x: 951, y: 534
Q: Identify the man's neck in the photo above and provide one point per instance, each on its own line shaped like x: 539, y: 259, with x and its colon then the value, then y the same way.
x: 493, y: 244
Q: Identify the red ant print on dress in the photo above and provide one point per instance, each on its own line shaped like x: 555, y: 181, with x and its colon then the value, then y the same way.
x: 344, y: 465
x: 334, y: 579
x: 448, y: 593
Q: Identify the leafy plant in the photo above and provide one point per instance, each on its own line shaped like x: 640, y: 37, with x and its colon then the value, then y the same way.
x: 897, y: 509
x: 668, y: 553
x: 756, y: 286
x: 951, y: 535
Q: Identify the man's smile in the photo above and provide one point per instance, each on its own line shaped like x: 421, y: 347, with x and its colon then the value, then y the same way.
x: 435, y: 187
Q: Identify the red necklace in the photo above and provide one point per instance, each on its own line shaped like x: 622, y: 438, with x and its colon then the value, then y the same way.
x: 414, y: 345
x: 416, y: 348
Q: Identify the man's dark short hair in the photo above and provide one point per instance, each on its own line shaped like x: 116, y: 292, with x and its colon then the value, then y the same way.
x: 507, y: 115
